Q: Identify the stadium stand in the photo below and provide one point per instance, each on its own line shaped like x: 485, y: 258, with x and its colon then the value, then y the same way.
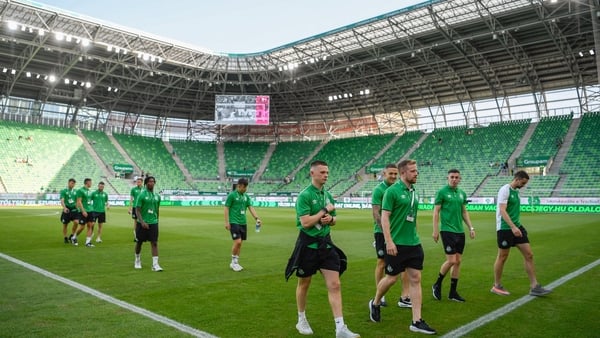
x: 398, y: 149
x: 200, y: 158
x: 547, y: 137
x: 476, y: 152
x: 392, y: 155
x: 31, y: 155
x: 103, y: 147
x: 151, y: 155
x: 286, y: 157
x: 32, y: 150
x: 81, y: 165
x: 243, y: 156
x: 345, y: 157
x: 109, y: 155
x: 40, y: 158
x: 582, y: 164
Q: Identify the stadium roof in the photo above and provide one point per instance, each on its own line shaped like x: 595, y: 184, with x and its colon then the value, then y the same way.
x: 431, y: 54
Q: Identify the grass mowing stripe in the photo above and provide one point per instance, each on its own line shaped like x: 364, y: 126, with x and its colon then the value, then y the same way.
x: 463, y: 330
x: 156, y: 317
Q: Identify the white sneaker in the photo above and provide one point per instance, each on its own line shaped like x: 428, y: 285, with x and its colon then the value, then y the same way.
x: 303, y: 327
x: 156, y: 268
x: 137, y: 264
x: 98, y: 240
x: 236, y: 267
x: 344, y: 332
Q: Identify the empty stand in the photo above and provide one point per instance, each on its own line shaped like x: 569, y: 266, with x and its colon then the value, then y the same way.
x: 244, y: 155
x: 200, y: 158
x: 476, y: 152
x: 581, y: 167
x: 547, y: 137
x: 151, y: 155
x: 344, y: 157
x: 286, y: 157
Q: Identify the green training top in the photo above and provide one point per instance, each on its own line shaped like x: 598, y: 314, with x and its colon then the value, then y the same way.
x: 309, y: 202
x: 148, y: 202
x: 451, y: 202
x: 238, y: 203
x: 376, y: 199
x: 510, y: 197
x: 403, y: 203
x: 99, y: 199
x: 86, y: 198
x: 69, y: 196
x: 134, y: 192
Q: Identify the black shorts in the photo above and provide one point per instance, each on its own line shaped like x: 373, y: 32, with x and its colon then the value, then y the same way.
x: 146, y: 235
x: 315, y: 259
x: 89, y: 219
x: 453, y: 242
x: 72, y: 215
x: 238, y: 231
x: 379, y: 245
x: 407, y: 257
x: 507, y: 239
x: 133, y: 215
x: 99, y: 217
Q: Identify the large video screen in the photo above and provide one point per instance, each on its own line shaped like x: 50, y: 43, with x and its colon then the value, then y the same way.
x: 242, y: 109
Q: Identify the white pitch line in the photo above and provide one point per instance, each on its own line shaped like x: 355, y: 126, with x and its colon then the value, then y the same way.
x: 463, y: 330
x: 156, y: 317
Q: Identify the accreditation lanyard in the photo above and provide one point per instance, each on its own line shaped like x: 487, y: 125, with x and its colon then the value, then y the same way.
x: 412, y: 212
x: 153, y: 202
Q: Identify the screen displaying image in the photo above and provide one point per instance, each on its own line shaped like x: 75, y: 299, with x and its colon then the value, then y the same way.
x: 242, y: 109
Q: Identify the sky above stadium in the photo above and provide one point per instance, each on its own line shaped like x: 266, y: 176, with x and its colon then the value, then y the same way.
x: 232, y: 26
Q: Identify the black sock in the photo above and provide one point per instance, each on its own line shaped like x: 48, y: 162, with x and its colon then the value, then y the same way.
x: 453, y: 283
x: 440, y: 279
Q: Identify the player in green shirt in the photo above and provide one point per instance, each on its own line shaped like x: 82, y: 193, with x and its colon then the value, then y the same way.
x: 135, y: 191
x: 450, y: 202
x: 100, y: 203
x: 403, y: 246
x: 315, y: 215
x: 236, y: 204
x: 86, y: 208
x: 68, y: 201
x: 147, y: 205
x: 510, y: 232
x: 390, y: 175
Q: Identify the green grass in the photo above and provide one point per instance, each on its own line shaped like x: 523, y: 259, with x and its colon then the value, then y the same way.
x: 198, y: 289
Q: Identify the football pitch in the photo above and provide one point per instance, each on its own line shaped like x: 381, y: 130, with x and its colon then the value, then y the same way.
x: 197, y: 289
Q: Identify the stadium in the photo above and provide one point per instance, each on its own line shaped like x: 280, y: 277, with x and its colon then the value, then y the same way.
x: 489, y: 87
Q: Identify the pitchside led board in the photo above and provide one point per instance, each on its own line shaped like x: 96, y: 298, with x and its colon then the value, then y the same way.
x: 242, y: 109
